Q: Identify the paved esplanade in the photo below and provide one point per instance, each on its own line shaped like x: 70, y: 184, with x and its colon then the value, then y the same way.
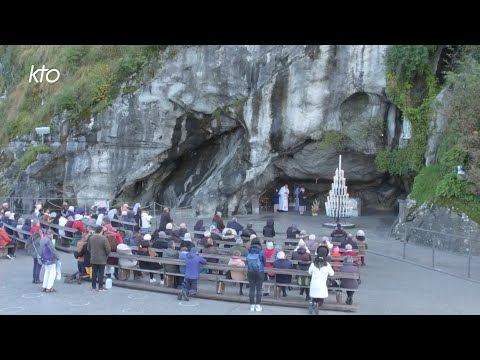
x: 388, y: 286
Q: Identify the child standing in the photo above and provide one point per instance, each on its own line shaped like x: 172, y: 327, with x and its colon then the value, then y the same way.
x: 192, y: 274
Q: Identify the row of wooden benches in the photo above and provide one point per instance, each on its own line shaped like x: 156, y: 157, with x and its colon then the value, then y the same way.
x: 221, y: 280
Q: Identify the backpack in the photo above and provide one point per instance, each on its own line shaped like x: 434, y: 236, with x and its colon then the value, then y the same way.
x: 47, y: 257
x: 253, y: 261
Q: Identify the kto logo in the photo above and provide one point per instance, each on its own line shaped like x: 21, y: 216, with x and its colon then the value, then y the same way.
x: 42, y: 71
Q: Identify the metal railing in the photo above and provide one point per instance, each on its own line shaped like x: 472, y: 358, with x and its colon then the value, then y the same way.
x: 454, y: 254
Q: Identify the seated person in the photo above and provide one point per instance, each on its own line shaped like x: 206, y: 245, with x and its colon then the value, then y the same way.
x: 283, y: 263
x: 248, y: 232
x: 349, y: 267
x: 234, y: 224
x: 338, y: 234
x: 238, y: 275
x: 239, y: 247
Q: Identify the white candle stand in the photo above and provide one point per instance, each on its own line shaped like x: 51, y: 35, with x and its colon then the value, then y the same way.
x: 338, y: 205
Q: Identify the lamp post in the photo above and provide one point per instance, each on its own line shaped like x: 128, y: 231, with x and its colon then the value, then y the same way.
x: 42, y: 131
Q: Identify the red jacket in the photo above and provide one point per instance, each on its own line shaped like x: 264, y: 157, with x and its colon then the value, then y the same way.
x: 35, y: 228
x: 338, y: 262
x: 352, y: 253
x: 4, y: 239
x: 268, y: 255
x: 119, y: 238
x: 78, y: 224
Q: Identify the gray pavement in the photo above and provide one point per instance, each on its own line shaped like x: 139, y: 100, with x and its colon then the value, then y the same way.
x: 389, y: 286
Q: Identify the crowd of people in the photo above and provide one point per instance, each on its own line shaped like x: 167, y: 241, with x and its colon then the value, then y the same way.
x: 98, y: 232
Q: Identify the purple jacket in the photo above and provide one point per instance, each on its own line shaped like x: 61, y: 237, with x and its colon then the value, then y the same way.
x: 193, y: 262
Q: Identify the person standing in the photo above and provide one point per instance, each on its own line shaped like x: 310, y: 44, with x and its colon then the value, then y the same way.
x: 276, y: 200
x: 165, y: 218
x: 256, y: 261
x: 320, y: 269
x: 283, y: 201
x: 99, y: 249
x: 301, y: 201
x: 192, y: 273
x: 35, y: 252
x: 362, y: 245
x: 296, y: 191
x: 49, y: 258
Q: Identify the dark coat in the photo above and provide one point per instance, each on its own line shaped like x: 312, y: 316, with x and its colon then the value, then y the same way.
x: 276, y: 197
x: 298, y: 255
x: 292, y: 232
x: 198, y: 227
x: 212, y: 250
x: 219, y: 222
x: 246, y: 233
x: 99, y: 249
x: 349, y: 283
x: 147, y: 265
x: 269, y: 230
x: 165, y: 218
x: 283, y: 264
x: 351, y: 242
x: 187, y: 244
x: 235, y: 226
x: 301, y: 198
x: 171, y: 254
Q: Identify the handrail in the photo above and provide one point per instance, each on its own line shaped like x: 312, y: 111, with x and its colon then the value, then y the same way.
x: 437, y: 232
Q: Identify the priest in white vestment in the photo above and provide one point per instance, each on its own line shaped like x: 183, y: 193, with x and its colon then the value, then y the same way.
x: 283, y: 201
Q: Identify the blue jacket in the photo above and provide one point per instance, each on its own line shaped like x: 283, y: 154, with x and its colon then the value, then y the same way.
x: 255, y: 249
x: 182, y: 255
x: 192, y: 270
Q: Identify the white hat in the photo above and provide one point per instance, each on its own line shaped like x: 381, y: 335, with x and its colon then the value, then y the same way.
x: 169, y: 226
x: 270, y: 245
x: 147, y: 237
x: 253, y: 236
x: 5, y: 204
x: 78, y: 217
x: 239, y: 241
x: 348, y: 247
x: 53, y: 215
x: 207, y: 234
x: 8, y: 213
x: 187, y: 237
x: 12, y: 216
x: 124, y: 213
x: 38, y: 207
x: 360, y: 233
x: 281, y: 255
x: 311, y: 237
x: 71, y: 209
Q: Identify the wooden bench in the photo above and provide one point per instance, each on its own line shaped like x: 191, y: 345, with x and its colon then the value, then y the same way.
x: 219, y: 279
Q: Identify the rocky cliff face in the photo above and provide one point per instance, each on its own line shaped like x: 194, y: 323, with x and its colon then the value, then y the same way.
x: 218, y: 124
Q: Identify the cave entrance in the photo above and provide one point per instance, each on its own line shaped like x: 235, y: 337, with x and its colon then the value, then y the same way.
x: 376, y: 197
